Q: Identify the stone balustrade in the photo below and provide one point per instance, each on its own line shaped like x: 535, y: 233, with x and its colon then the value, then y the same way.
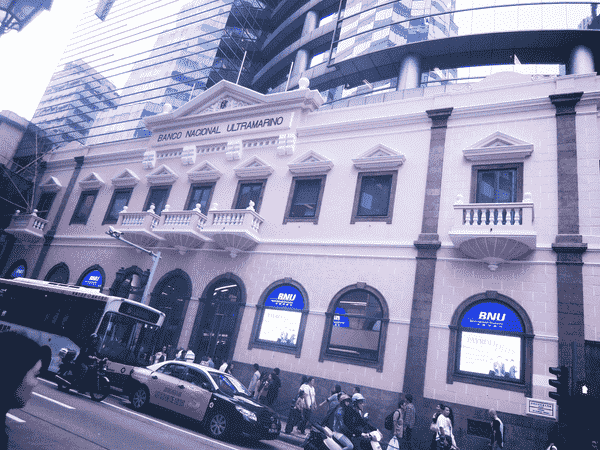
x: 27, y: 227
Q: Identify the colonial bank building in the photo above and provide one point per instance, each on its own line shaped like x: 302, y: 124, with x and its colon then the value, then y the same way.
x: 442, y: 241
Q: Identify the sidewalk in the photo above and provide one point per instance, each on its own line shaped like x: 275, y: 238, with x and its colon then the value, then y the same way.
x: 294, y: 438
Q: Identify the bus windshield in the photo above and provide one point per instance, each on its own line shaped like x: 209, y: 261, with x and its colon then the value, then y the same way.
x: 126, y: 340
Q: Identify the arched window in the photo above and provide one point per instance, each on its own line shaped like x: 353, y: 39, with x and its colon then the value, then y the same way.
x: 58, y: 274
x: 17, y: 270
x: 281, y: 318
x: 491, y: 343
x: 171, y: 295
x: 93, y: 277
x: 356, y: 327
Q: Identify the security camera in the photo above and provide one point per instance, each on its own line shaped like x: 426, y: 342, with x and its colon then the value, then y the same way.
x: 114, y: 233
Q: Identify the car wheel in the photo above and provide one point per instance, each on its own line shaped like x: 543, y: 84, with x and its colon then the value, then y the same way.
x: 139, y: 398
x: 218, y: 425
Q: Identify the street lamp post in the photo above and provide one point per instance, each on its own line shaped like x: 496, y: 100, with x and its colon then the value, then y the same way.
x: 155, y: 256
x: 15, y: 14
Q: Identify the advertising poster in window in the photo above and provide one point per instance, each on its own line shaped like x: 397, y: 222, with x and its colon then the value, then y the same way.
x: 280, y: 327
x: 282, y: 316
x: 490, y: 354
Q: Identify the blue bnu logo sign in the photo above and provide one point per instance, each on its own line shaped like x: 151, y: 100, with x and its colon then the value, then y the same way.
x: 494, y: 316
x: 92, y: 279
x: 285, y: 297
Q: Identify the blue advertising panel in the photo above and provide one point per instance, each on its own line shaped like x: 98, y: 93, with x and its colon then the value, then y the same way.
x: 18, y: 272
x: 339, y: 319
x: 92, y: 279
x: 492, y: 316
x: 285, y: 297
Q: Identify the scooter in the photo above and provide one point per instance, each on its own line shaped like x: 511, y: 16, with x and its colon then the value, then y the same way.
x: 96, y: 382
x: 321, y: 438
x: 370, y: 438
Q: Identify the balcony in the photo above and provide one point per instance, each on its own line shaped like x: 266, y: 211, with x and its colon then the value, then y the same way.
x: 182, y: 229
x: 27, y: 227
x: 494, y: 232
x: 138, y: 227
x: 234, y: 230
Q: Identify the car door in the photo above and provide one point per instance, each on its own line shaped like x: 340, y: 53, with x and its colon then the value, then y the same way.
x: 198, y: 393
x: 164, y: 386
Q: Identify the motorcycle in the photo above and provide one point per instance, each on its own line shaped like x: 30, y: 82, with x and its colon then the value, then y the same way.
x: 95, y: 382
x: 321, y: 438
x: 370, y: 438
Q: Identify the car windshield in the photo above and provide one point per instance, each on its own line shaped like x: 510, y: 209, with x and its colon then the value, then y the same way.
x: 228, y: 384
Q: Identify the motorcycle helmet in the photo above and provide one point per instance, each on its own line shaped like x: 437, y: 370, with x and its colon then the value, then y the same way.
x: 358, y: 397
x: 344, y: 397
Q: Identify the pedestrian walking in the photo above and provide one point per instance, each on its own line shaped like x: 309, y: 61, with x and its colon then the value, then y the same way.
x: 438, y: 410
x: 398, y: 438
x: 311, y: 404
x: 190, y: 356
x: 24, y: 357
x: 445, y: 435
x: 254, y: 380
x: 333, y: 399
x: 497, y: 434
x: 296, y: 413
x: 409, y: 420
x: 274, y: 386
x: 160, y: 356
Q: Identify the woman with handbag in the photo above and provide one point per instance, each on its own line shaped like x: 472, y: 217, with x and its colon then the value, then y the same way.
x: 445, y: 436
x: 433, y: 427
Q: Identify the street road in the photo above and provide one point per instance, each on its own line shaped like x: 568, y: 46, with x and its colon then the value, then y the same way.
x: 57, y: 420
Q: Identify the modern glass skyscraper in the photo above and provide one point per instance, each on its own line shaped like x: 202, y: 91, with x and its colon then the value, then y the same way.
x: 129, y: 59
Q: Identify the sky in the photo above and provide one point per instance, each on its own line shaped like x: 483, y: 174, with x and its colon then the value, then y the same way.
x: 30, y: 56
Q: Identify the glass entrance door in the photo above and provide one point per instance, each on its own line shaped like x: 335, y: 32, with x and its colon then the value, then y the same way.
x: 219, y: 319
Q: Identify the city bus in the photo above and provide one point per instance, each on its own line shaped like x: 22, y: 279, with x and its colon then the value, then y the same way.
x: 60, y: 316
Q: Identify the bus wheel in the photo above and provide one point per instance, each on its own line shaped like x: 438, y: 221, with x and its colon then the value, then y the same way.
x: 139, y: 397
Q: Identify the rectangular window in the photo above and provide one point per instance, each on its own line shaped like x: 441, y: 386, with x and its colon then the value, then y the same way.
x: 44, y: 204
x: 249, y: 191
x: 374, y: 197
x: 84, y: 207
x: 157, y: 196
x: 119, y: 199
x: 200, y: 194
x: 304, y: 201
x: 497, y: 183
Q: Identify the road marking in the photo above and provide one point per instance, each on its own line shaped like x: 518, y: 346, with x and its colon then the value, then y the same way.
x: 15, y: 418
x: 52, y: 400
x: 171, y: 426
x: 49, y: 382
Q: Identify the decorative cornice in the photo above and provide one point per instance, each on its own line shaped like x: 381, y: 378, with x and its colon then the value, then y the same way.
x: 253, y: 168
x: 379, y: 157
x: 498, y: 146
x: 127, y: 178
x: 204, y: 171
x: 162, y: 175
x: 310, y: 163
x: 51, y: 185
x: 92, y: 181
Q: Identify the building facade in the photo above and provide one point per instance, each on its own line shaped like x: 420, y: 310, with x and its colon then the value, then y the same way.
x: 444, y: 245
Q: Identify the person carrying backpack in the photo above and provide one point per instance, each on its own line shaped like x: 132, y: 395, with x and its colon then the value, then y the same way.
x: 397, y: 426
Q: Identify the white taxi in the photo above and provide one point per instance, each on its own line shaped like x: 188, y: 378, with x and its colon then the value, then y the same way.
x: 217, y: 399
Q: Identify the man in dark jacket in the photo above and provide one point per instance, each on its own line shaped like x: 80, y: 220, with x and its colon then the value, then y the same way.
x: 273, y: 389
x: 497, y: 436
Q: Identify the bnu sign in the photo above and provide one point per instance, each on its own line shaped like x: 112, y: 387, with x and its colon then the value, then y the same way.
x: 225, y: 128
